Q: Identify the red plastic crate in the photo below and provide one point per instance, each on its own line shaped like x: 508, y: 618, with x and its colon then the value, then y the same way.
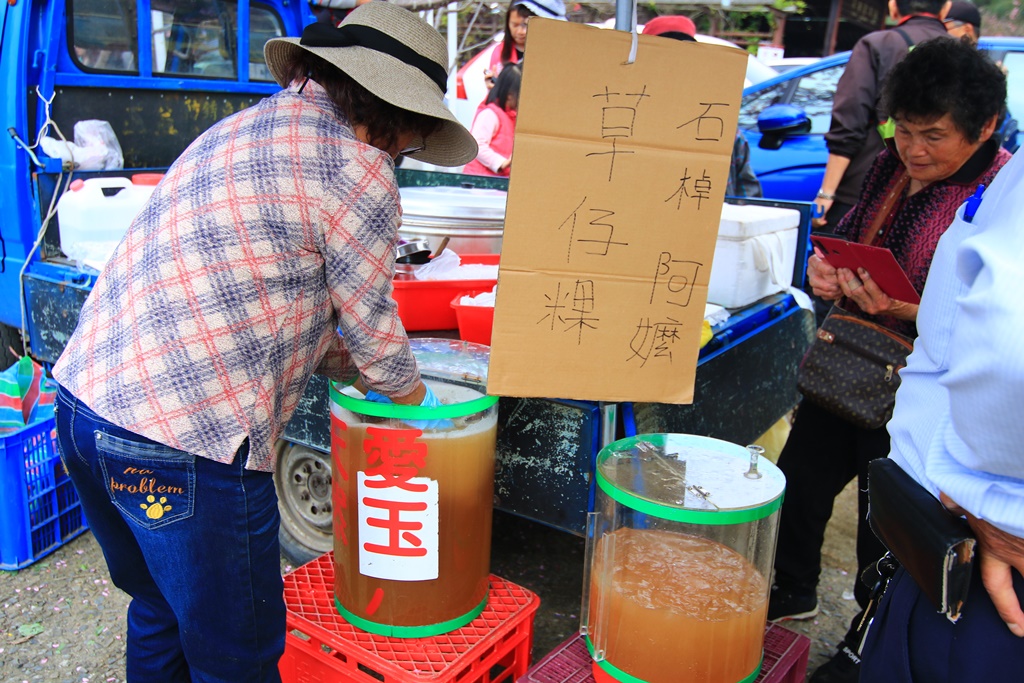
x: 475, y: 322
x: 321, y: 647
x: 426, y: 304
x: 785, y: 660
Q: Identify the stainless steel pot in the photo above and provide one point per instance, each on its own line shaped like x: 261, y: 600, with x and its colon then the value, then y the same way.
x: 474, y: 218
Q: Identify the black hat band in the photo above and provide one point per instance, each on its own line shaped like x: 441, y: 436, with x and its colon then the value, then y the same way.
x: 354, y: 35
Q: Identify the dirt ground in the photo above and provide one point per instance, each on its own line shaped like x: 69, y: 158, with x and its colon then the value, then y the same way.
x: 62, y: 621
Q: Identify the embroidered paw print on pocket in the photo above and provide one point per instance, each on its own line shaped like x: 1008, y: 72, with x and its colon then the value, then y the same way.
x: 155, y: 509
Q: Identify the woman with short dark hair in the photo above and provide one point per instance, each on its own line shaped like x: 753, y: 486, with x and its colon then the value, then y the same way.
x: 944, y: 99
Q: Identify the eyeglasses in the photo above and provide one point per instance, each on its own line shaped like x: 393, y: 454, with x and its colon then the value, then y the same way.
x: 412, y: 149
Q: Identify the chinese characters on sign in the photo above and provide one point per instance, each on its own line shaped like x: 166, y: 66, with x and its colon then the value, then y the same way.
x: 612, y: 215
x: 398, y: 510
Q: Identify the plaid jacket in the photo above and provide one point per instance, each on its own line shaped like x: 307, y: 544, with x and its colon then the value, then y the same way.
x: 275, y: 227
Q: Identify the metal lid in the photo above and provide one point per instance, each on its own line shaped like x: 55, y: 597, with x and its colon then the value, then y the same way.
x: 453, y: 204
x: 692, y: 479
x: 415, y: 252
x: 451, y: 358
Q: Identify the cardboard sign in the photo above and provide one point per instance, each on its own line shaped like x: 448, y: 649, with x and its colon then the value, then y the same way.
x: 613, y: 209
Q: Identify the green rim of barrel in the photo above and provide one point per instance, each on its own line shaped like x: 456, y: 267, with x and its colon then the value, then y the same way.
x: 620, y: 675
x: 400, y: 412
x: 707, y: 517
x: 425, y: 631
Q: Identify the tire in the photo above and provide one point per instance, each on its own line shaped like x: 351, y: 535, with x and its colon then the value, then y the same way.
x: 10, y: 338
x: 303, y: 482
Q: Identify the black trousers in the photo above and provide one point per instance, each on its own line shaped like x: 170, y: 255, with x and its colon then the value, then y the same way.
x: 910, y: 643
x: 821, y: 456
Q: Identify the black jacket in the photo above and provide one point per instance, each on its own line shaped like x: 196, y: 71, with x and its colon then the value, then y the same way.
x: 855, y: 107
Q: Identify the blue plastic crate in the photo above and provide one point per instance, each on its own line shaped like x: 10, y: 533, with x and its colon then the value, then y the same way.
x: 39, y: 507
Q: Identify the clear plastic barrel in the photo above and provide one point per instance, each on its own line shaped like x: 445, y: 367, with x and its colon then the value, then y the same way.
x: 679, y: 559
x: 412, y: 492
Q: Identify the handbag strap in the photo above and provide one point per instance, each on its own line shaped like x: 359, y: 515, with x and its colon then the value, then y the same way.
x: 884, y: 215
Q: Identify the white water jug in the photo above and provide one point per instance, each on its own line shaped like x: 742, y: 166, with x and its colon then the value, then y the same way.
x: 94, y: 215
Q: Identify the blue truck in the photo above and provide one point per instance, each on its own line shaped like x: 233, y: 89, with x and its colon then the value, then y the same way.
x: 161, y: 72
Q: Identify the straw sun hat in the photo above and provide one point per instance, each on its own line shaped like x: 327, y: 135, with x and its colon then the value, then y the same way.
x: 395, y: 55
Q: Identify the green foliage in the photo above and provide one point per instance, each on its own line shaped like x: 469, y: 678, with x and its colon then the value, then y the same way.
x: 1002, y: 18
x: 29, y: 630
x: 790, y: 6
x: 1001, y: 9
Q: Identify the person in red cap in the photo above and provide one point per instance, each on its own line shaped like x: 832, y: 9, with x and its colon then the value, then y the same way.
x: 678, y: 27
x: 742, y: 180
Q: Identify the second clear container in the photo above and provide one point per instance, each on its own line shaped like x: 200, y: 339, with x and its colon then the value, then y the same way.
x: 680, y: 553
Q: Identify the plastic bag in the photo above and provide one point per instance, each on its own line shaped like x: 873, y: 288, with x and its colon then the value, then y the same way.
x: 27, y: 395
x: 448, y: 266
x: 441, y: 267
x: 485, y: 299
x: 92, y: 134
x: 95, y: 147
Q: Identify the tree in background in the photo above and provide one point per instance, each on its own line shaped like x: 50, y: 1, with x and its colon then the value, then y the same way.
x: 1001, y: 17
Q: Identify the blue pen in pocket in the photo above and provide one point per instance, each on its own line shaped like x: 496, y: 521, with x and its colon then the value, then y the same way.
x: 973, y: 202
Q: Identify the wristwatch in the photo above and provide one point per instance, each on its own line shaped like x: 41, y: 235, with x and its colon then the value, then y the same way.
x: 825, y: 195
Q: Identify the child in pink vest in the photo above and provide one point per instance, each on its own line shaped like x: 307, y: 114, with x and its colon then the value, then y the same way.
x: 494, y: 125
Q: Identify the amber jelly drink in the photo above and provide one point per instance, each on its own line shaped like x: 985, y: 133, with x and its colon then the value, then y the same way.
x: 679, y: 550
x: 412, y: 501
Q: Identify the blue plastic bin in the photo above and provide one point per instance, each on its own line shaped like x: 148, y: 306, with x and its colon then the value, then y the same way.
x: 39, y: 508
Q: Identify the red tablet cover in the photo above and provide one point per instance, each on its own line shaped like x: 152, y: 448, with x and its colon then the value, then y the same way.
x: 879, y: 262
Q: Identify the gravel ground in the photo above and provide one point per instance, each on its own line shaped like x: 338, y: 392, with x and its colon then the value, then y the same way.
x: 62, y: 621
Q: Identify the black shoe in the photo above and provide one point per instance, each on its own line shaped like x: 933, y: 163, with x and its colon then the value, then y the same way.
x: 785, y: 604
x: 844, y: 667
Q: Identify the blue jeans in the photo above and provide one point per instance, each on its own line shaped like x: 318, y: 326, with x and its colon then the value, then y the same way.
x: 192, y: 541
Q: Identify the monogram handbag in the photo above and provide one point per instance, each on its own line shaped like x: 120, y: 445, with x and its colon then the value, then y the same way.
x: 852, y: 368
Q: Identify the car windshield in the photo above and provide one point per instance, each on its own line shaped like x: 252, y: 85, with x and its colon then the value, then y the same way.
x: 812, y: 93
x: 758, y: 71
x: 1013, y: 63
x: 754, y: 103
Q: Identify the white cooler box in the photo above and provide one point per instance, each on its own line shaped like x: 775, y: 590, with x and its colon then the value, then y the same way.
x: 753, y: 255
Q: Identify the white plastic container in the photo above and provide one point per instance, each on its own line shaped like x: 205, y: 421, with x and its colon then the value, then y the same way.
x: 754, y: 254
x: 94, y: 215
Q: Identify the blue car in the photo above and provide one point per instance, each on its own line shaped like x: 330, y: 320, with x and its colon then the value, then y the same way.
x: 790, y: 159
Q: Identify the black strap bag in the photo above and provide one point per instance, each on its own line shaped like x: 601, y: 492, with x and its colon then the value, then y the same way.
x: 935, y: 546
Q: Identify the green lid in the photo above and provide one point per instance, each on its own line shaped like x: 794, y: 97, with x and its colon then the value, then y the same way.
x: 692, y: 479
x: 350, y: 399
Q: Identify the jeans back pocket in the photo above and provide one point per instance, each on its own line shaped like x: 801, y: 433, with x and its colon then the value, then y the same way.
x: 151, y: 484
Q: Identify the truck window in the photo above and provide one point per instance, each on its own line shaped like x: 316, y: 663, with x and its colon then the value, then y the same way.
x: 104, y: 35
x: 196, y: 37
x: 264, y: 24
